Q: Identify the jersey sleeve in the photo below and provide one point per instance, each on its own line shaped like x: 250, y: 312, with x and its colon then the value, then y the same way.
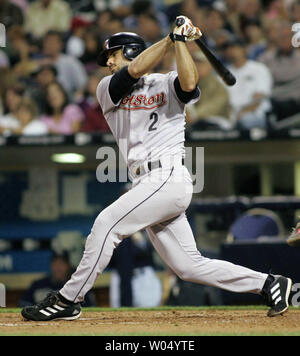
x: 104, y: 97
x: 111, y: 89
x: 182, y: 96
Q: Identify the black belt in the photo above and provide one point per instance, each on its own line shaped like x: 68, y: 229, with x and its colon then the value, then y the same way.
x: 151, y: 165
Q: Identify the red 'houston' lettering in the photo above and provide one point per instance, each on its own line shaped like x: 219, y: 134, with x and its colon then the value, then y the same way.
x: 138, y: 100
x: 160, y: 98
x: 125, y: 100
x: 135, y: 102
x: 132, y: 98
x: 151, y: 100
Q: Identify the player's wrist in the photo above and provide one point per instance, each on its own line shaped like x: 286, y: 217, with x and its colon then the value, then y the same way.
x: 175, y: 37
x: 169, y: 40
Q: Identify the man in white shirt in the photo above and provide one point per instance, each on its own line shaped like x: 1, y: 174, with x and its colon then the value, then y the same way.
x: 249, y: 97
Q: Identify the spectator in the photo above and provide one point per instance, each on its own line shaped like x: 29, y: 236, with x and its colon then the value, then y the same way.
x: 6, y: 81
x: 278, y: 9
x: 294, y: 12
x: 284, y: 64
x: 75, y: 44
x: 103, y: 19
x: 215, y: 21
x: 186, y: 7
x: 45, y: 15
x: 146, y: 8
x: 92, y: 48
x: 250, y: 10
x: 4, y: 60
x: 108, y: 23
x: 120, y: 7
x: 233, y: 15
x: 256, y: 40
x: 30, y: 125
x: 94, y: 120
x: 60, y: 116
x: 12, y: 99
x: 216, y: 110
x: 21, y: 53
x: 10, y: 14
x: 271, y: 28
x: 216, y: 29
x: 249, y: 97
x: 218, y: 39
x: 41, y: 78
x: 70, y: 71
x: 149, y: 28
x: 60, y: 272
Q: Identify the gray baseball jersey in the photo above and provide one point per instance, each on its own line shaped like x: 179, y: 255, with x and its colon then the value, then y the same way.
x: 149, y: 122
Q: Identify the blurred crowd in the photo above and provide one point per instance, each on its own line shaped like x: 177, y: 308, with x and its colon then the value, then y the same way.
x: 49, y: 73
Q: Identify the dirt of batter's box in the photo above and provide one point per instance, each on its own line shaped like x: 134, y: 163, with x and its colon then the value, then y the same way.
x: 176, y: 322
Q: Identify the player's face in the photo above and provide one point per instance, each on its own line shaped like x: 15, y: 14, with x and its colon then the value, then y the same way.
x: 116, y: 60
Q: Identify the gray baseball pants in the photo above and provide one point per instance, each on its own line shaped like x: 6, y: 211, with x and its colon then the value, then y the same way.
x: 157, y: 203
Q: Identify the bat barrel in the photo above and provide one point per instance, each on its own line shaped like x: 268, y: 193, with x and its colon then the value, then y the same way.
x: 218, y: 66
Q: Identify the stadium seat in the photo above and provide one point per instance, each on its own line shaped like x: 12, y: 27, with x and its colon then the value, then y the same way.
x: 256, y: 224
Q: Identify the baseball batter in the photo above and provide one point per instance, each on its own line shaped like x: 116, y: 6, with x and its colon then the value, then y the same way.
x: 146, y: 114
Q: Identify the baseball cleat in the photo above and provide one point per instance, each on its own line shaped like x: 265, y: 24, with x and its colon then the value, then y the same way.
x: 52, y: 308
x: 294, y: 238
x: 276, y: 292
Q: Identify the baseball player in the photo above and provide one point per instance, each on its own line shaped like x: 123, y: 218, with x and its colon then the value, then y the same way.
x: 146, y: 114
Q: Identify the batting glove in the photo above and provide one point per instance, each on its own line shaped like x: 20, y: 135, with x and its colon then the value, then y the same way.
x: 185, y: 30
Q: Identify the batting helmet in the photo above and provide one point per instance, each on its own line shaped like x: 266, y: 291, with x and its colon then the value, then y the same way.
x: 131, y: 43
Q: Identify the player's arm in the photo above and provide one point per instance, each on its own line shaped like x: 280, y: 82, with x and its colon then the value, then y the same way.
x: 149, y: 58
x: 187, y: 72
x: 186, y: 82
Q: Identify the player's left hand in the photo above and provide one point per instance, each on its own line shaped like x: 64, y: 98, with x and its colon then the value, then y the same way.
x: 186, y: 29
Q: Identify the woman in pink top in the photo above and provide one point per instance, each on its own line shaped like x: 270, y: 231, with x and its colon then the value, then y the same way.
x: 61, y: 117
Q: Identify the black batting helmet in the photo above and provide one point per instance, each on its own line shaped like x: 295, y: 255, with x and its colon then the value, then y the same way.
x: 131, y: 43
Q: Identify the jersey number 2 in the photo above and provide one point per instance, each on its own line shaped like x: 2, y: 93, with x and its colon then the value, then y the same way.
x: 154, y: 117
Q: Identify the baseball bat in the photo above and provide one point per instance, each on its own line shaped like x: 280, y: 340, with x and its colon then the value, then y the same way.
x: 218, y: 66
